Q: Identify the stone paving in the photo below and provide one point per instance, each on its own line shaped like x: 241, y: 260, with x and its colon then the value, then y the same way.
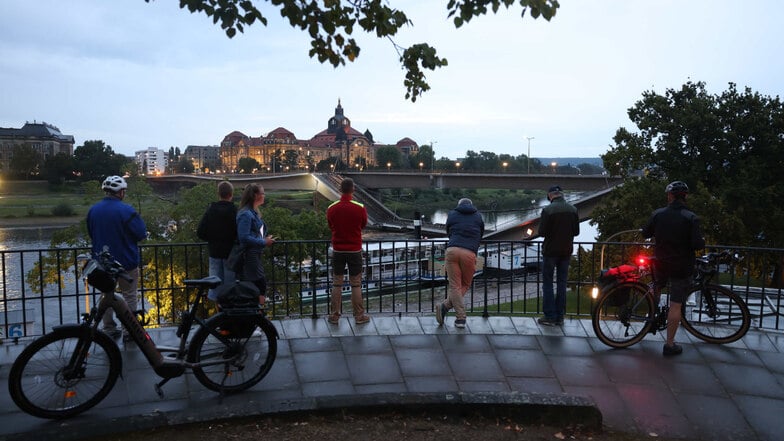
x: 729, y: 392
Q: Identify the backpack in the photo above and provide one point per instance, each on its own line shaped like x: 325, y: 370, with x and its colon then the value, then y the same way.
x: 240, y: 294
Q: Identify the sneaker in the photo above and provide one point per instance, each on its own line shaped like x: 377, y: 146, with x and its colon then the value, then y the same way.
x: 364, y: 318
x: 334, y: 319
x: 441, y: 312
x: 675, y: 349
x: 460, y: 323
x: 114, y: 333
x: 548, y: 322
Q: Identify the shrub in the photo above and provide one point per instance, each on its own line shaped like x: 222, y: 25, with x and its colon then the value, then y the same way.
x: 62, y: 209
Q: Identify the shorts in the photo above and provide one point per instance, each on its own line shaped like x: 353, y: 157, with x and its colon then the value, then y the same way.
x: 680, y: 287
x: 352, y: 259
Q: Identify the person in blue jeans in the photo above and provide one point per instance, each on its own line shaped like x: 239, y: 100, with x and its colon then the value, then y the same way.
x: 558, y: 225
x: 218, y: 227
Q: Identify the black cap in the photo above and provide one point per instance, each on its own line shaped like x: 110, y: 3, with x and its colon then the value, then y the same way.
x: 554, y: 188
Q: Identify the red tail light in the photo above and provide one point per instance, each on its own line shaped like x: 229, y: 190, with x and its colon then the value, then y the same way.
x: 642, y: 260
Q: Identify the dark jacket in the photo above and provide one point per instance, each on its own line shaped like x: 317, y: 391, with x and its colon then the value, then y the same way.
x: 218, y: 227
x: 465, y: 227
x: 677, y: 233
x: 558, y: 226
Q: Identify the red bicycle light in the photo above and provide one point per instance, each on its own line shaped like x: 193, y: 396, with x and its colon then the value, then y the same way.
x: 642, y: 260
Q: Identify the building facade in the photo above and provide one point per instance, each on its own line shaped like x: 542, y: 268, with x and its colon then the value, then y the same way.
x: 43, y: 138
x: 152, y: 161
x: 280, y: 150
x: 205, y: 158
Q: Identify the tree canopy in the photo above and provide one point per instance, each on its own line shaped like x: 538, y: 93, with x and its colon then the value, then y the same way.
x: 729, y: 149
x: 331, y: 24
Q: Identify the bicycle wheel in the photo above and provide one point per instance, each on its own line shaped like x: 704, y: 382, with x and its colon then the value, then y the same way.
x: 622, y: 316
x: 42, y: 382
x: 715, y: 314
x: 240, y: 358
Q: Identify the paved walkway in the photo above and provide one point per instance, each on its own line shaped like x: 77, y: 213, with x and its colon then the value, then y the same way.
x: 729, y: 392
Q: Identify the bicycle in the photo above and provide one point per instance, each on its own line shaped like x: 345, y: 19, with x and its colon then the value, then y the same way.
x: 627, y: 309
x: 74, y: 367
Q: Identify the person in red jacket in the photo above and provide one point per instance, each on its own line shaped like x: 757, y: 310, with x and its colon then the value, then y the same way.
x: 347, y: 218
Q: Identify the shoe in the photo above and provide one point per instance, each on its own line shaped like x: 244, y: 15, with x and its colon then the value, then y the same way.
x: 460, y: 323
x: 114, y: 333
x: 334, y: 319
x: 549, y: 322
x: 441, y: 312
x: 672, y: 350
x: 364, y: 318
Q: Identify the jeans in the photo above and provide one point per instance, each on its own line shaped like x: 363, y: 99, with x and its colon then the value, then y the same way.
x: 554, y: 306
x: 219, y: 267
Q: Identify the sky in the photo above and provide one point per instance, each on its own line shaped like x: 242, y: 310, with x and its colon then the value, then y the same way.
x: 138, y: 75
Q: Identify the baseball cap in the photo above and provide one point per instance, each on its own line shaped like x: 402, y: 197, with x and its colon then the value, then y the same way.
x: 554, y: 188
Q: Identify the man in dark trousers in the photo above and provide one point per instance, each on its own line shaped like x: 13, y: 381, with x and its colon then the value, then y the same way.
x: 347, y: 218
x: 218, y: 227
x: 677, y: 233
x: 558, y: 225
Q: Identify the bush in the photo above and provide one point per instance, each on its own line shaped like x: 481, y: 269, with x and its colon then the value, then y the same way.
x: 62, y: 209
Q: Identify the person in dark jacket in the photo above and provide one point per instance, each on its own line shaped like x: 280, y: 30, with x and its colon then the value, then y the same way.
x: 465, y: 228
x: 559, y: 224
x: 677, y: 233
x: 116, y: 227
x: 218, y: 227
x: 252, y: 235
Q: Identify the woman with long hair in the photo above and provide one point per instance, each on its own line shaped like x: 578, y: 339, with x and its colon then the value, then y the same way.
x: 253, y: 236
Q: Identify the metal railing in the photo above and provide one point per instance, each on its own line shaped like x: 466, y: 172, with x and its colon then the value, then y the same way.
x: 42, y: 288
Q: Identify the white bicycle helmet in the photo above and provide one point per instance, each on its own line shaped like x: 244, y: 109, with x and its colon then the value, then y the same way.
x: 114, y: 184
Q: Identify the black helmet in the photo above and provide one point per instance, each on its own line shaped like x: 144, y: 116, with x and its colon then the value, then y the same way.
x: 677, y: 187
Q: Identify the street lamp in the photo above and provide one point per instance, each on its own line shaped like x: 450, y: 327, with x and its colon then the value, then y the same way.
x: 505, y: 164
x: 457, y: 166
x: 529, y: 138
x: 420, y: 166
x: 389, y: 166
x: 554, y: 165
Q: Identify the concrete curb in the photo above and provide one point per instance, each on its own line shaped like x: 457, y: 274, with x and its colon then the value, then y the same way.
x: 530, y: 408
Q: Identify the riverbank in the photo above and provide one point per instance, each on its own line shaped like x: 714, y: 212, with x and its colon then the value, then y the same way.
x: 39, y: 221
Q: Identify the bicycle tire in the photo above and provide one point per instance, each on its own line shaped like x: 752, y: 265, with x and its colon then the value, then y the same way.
x: 249, y: 354
x: 622, y: 315
x: 726, y: 322
x: 39, y: 385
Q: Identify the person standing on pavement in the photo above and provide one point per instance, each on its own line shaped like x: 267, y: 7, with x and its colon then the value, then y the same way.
x: 252, y: 236
x: 116, y: 227
x: 465, y: 228
x: 347, y: 218
x: 677, y: 233
x: 558, y: 225
x: 218, y: 227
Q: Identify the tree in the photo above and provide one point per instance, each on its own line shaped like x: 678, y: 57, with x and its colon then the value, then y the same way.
x: 25, y: 161
x: 389, y: 155
x: 330, y: 25
x: 728, y: 148
x: 184, y: 165
x: 247, y: 165
x: 58, y: 168
x: 95, y: 160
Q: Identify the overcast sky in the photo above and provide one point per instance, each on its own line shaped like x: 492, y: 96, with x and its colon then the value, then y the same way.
x: 139, y: 75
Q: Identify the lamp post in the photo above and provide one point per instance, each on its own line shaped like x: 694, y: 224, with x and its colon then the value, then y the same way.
x: 554, y: 165
x: 433, y: 157
x: 420, y: 167
x: 529, y: 138
x: 457, y: 167
x: 389, y: 166
x: 505, y: 164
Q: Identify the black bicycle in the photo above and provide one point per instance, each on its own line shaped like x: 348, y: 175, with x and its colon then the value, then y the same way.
x: 628, y: 309
x: 74, y: 367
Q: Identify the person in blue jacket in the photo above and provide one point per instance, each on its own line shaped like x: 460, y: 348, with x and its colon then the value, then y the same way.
x: 116, y: 227
x: 465, y: 228
x: 252, y: 235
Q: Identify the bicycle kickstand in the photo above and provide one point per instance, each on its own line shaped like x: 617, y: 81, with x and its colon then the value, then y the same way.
x: 159, y: 387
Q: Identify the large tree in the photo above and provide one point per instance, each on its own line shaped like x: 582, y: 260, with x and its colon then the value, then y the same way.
x: 94, y: 160
x: 331, y: 24
x: 26, y: 161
